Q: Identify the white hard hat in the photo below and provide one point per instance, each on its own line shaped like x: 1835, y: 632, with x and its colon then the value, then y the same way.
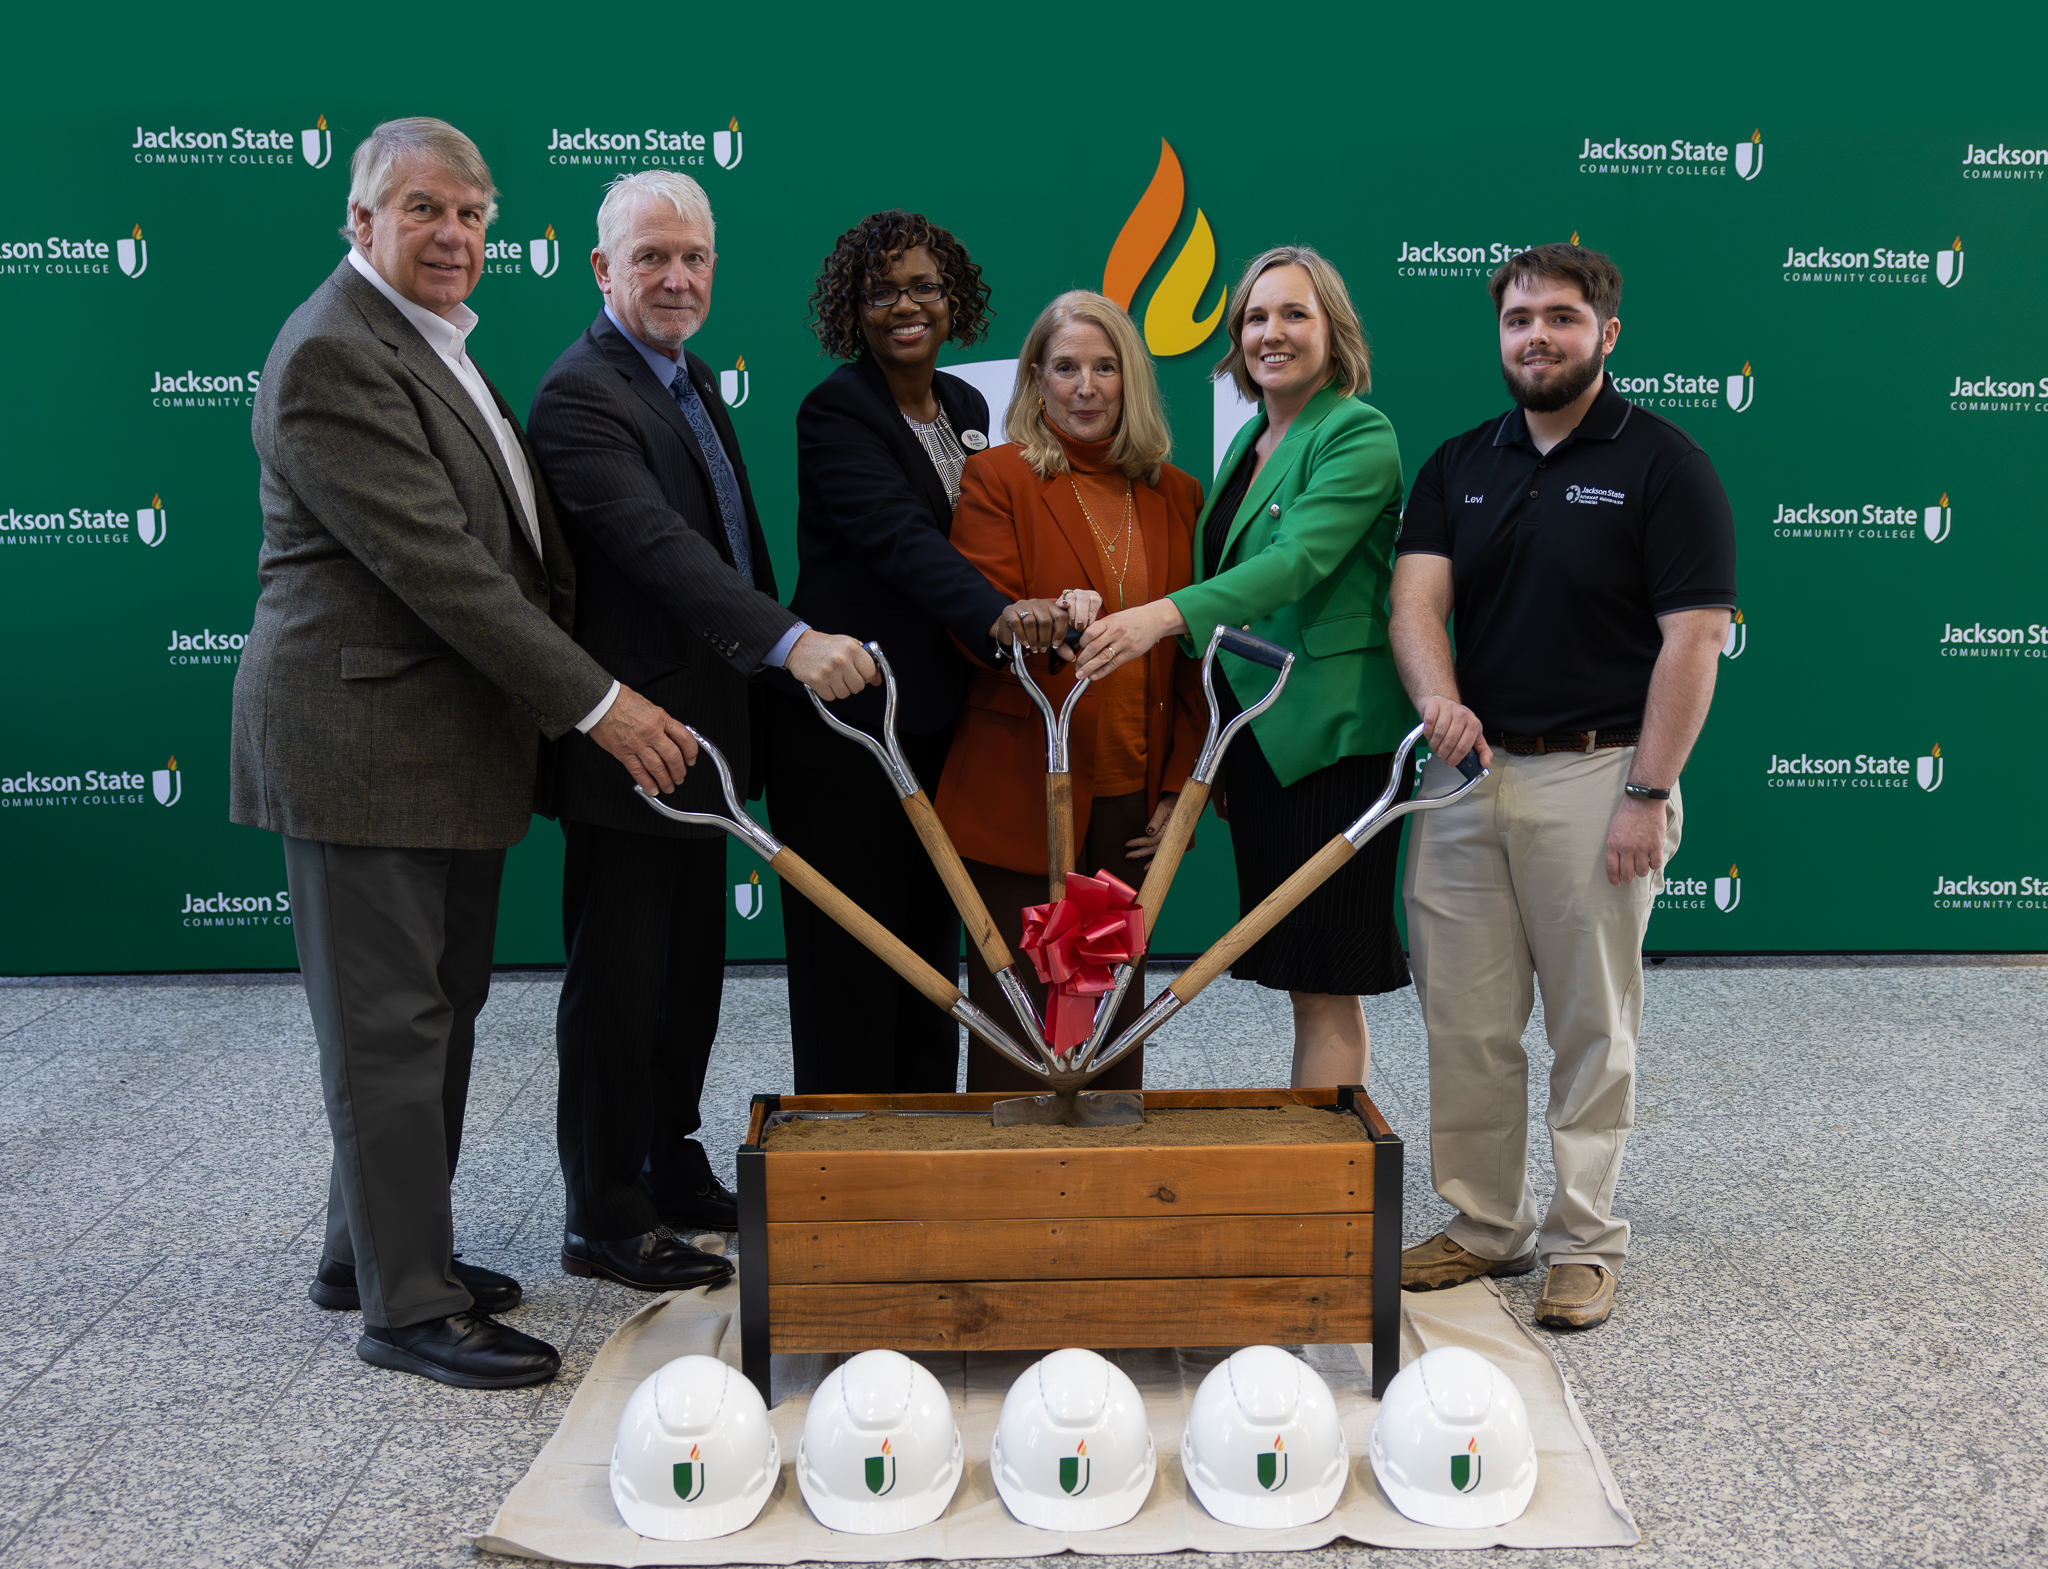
x: 1452, y: 1444
x: 1262, y: 1446
x: 1072, y: 1450
x: 695, y: 1457
x: 880, y: 1450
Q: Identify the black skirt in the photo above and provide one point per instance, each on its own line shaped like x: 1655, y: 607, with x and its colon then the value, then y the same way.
x: 1340, y: 939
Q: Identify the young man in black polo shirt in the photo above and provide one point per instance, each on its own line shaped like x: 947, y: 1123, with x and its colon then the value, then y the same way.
x: 1588, y: 552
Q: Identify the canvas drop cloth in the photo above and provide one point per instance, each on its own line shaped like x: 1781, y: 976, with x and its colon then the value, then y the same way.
x: 562, y: 1508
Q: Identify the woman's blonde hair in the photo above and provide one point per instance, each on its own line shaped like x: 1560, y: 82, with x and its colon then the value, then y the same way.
x: 1350, y: 355
x: 1142, y: 439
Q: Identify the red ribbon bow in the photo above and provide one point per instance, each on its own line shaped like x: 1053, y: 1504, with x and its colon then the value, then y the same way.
x: 1076, y: 944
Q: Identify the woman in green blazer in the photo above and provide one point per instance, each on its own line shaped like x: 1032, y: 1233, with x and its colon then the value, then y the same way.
x: 1297, y: 543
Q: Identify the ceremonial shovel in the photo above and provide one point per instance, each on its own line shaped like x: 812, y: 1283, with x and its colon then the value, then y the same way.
x: 1123, y: 1106
x: 816, y: 887
x: 938, y: 844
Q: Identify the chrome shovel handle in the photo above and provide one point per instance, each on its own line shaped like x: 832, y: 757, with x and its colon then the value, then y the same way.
x: 887, y: 751
x: 739, y: 825
x: 1245, y: 646
x: 1057, y: 726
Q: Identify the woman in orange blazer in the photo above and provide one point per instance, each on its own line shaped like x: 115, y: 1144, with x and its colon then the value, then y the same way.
x: 1079, y: 504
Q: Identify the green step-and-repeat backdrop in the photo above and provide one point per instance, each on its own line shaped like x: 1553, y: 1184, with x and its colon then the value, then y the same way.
x: 1832, y: 244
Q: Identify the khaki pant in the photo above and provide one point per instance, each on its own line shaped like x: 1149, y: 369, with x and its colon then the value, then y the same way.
x: 1508, y: 887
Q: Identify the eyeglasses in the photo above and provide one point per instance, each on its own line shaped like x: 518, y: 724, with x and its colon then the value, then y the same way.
x: 922, y: 293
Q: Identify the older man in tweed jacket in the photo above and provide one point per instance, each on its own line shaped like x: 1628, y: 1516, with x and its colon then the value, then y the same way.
x: 411, y: 647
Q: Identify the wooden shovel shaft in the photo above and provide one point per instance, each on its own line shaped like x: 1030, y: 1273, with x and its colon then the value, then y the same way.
x: 974, y: 916
x: 1173, y: 844
x: 1059, y: 831
x: 807, y: 880
x: 1313, y: 874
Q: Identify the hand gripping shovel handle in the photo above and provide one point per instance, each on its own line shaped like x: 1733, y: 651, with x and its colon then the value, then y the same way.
x: 1276, y: 905
x: 1180, y: 827
x: 870, y: 933
x: 931, y: 833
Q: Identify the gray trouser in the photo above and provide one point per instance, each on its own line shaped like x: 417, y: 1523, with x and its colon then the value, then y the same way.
x: 395, y: 949
x: 1505, y: 890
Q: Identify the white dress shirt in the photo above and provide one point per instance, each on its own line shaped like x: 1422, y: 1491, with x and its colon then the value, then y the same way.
x: 448, y: 337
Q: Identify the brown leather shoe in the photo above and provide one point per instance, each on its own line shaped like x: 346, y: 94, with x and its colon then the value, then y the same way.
x: 1576, y: 1296
x: 1440, y: 1262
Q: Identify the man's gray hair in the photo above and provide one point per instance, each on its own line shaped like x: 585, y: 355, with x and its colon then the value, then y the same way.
x: 628, y: 191
x: 400, y: 141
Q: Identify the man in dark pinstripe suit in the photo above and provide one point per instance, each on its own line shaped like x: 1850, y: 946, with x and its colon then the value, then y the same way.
x: 675, y: 587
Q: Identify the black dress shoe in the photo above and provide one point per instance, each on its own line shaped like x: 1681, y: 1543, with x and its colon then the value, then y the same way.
x: 466, y: 1350
x: 656, y: 1260
x: 334, y: 1288
x: 709, y: 1207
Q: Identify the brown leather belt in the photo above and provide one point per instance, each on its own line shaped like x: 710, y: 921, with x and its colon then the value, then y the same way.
x: 1561, y: 741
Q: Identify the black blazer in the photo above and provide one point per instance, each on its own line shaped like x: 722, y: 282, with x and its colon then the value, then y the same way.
x: 656, y: 588
x: 873, y: 556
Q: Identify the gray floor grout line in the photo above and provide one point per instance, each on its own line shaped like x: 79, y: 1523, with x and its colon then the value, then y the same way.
x: 92, y: 1324
x: 56, y: 1007
x: 122, y: 1202
x: 59, y: 1490
x: 329, y: 1332
x: 354, y: 1482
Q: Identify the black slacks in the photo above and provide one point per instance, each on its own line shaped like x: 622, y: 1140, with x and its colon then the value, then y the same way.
x: 395, y: 951
x: 855, y: 1026
x: 643, y: 919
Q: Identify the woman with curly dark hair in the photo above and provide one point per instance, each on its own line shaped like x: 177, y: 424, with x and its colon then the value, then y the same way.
x: 880, y: 446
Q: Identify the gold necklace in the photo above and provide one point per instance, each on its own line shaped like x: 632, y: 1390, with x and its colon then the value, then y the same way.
x: 1109, y: 546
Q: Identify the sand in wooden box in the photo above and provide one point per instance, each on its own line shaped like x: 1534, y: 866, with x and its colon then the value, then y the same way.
x: 1141, y: 1236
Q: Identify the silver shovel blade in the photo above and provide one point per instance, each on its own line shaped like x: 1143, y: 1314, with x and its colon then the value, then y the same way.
x: 1088, y: 1109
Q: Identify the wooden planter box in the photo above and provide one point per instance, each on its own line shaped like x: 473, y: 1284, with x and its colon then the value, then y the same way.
x: 1034, y: 1249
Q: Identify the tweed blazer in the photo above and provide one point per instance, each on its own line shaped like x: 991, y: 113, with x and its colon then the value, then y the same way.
x: 409, y: 650
x: 658, y: 600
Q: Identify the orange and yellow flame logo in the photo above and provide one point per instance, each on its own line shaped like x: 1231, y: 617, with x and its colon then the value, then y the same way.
x: 1171, y: 325
x: 551, y: 232
x: 320, y: 124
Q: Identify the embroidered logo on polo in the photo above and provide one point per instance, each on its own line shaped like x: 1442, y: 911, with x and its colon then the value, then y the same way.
x: 881, y: 1471
x: 1074, y: 1471
x: 1594, y: 496
x: 689, y: 1477
x: 1273, y: 1467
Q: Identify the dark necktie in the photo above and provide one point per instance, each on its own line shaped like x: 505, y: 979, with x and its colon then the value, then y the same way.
x: 725, y: 484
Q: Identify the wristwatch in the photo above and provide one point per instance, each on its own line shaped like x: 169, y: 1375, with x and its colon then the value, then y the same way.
x: 1645, y: 793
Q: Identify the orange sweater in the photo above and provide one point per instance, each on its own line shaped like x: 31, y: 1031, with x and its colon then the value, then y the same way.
x: 1028, y: 537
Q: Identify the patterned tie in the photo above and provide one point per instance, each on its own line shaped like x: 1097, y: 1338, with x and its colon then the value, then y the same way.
x: 724, y: 483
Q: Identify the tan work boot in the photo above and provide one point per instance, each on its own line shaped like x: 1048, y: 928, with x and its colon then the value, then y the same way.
x: 1440, y: 1262
x: 1576, y: 1296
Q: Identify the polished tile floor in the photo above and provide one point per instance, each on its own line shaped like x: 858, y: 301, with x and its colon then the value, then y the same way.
x: 1829, y: 1348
